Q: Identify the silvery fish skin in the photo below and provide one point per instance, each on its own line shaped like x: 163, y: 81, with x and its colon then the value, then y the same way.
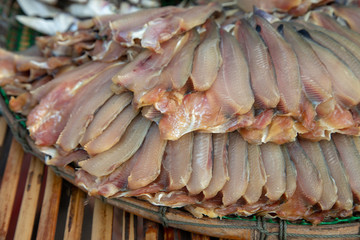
x: 238, y: 168
x: 351, y: 159
x: 113, y: 133
x: 329, y: 195
x: 105, y: 116
x: 309, y: 178
x: 336, y: 167
x: 286, y: 67
x: 207, y: 58
x: 178, y: 160
x: 202, y: 163
x: 274, y: 164
x: 147, y: 167
x: 263, y: 79
x: 220, y: 173
x: 257, y: 175
x: 104, y: 163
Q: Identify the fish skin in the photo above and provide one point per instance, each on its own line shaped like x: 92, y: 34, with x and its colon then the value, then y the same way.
x: 350, y: 157
x: 142, y: 74
x: 162, y: 29
x: 352, y: 47
x: 85, y: 107
x: 55, y: 107
x: 286, y: 68
x: 308, y: 176
x: 178, y: 160
x: 207, y: 58
x: 148, y: 165
x: 274, y: 164
x: 220, y: 172
x: 105, y: 116
x: 231, y: 90
x: 346, y: 91
x: 202, y: 163
x: 106, y: 162
x: 180, y: 67
x: 113, y: 133
x: 238, y: 168
x: 336, y: 167
x: 350, y: 14
x: 338, y: 49
x: 263, y: 79
x: 313, y: 74
x: 325, y: 21
x: 257, y: 175
x: 128, y: 27
x: 291, y: 174
x: 315, y: 154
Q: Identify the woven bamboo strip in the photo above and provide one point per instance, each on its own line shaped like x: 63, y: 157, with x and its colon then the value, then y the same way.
x: 3, y: 127
x: 9, y: 186
x: 75, y: 214
x: 102, y: 221
x: 30, y: 199
x: 50, y: 207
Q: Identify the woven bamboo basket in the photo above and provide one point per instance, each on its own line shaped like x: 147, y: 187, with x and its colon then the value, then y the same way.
x: 239, y: 228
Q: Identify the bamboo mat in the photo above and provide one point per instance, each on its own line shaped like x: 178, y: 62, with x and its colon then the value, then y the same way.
x: 37, y: 204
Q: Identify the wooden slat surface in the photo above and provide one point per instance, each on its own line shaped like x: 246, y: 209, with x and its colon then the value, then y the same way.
x: 102, y: 221
x: 9, y: 185
x: 25, y: 223
x: 50, y: 207
x: 75, y: 214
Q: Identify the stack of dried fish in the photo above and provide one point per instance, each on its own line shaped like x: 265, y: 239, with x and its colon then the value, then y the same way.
x: 188, y: 107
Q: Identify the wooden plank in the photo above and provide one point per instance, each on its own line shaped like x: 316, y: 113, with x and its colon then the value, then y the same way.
x: 195, y: 236
x: 25, y: 223
x: 3, y: 128
x: 102, y: 221
x: 152, y: 230
x: 131, y: 227
x: 139, y: 228
x: 75, y: 214
x: 50, y: 207
x: 9, y: 186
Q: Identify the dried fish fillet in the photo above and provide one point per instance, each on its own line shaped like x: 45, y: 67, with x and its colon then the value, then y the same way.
x: 147, y: 166
x: 107, y: 161
x: 220, y: 173
x: 207, y: 58
x: 238, y: 168
x: 202, y: 163
x: 263, y: 79
x: 113, y: 133
x: 274, y: 165
x: 105, y: 115
x: 286, y: 67
x: 177, y: 161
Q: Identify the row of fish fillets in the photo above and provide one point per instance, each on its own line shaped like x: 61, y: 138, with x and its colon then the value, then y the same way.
x: 189, y: 72
x: 206, y: 111
x: 221, y: 174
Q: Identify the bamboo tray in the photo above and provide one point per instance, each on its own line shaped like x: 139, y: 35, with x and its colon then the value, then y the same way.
x: 247, y: 228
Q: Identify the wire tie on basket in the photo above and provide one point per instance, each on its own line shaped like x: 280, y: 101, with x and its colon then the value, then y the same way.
x: 163, y: 218
x: 282, y: 230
